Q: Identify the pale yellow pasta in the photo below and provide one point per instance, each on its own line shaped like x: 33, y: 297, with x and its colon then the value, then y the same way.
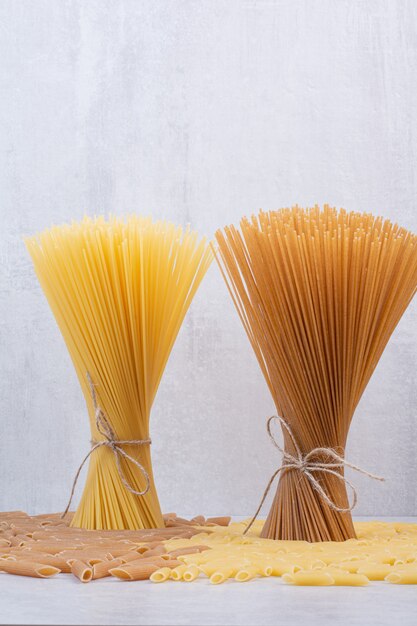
x: 307, y: 578
x: 403, y: 577
x: 161, y: 575
x: 343, y: 578
x: 190, y: 573
x: 375, y: 571
x: 246, y: 573
x: 177, y: 572
x: 220, y: 575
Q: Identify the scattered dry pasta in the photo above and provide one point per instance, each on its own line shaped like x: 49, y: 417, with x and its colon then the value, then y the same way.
x: 383, y: 552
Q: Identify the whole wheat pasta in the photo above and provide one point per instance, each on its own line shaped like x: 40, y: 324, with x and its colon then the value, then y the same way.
x: 28, y: 568
x: 319, y: 293
x: 218, y: 521
x: 81, y: 571
x: 140, y: 569
x: 101, y: 570
x: 119, y: 290
x: 190, y: 550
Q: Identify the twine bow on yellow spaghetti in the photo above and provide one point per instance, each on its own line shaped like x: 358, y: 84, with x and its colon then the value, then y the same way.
x: 306, y: 464
x: 104, y: 428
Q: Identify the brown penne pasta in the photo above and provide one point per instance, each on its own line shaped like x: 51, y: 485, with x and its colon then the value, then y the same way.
x: 82, y: 571
x: 28, y: 568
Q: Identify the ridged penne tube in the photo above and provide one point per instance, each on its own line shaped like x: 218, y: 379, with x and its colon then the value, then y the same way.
x: 344, y: 579
x: 177, y: 572
x: 221, y: 574
x: 54, y: 561
x: 246, y: 573
x: 218, y: 521
x: 102, y: 570
x: 132, y: 556
x: 135, y: 571
x: 313, y: 578
x: 190, y: 573
x: 158, y: 551
x: 82, y: 571
x: 375, y: 571
x: 191, y: 550
x: 279, y: 568
x: 161, y: 575
x: 403, y: 577
x: 28, y: 568
x: 47, y: 548
x: 353, y: 566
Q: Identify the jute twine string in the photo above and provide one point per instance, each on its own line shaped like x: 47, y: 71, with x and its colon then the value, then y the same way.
x: 110, y: 441
x: 305, y: 464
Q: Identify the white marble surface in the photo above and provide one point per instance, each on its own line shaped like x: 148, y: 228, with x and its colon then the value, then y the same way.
x: 63, y: 600
x: 267, y: 602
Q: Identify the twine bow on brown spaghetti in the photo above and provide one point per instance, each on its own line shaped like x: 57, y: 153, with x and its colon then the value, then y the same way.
x: 110, y: 441
x: 306, y: 464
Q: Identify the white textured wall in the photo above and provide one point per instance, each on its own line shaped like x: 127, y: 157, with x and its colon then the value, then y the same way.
x: 198, y: 111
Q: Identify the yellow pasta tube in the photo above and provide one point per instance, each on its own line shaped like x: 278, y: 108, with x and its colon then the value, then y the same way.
x: 160, y: 575
x: 353, y: 566
x: 28, y: 568
x: 246, y: 573
x: 403, y: 577
x: 375, y: 571
x: 82, y: 571
x: 343, y: 578
x: 306, y: 578
x: 177, y: 572
x: 190, y: 573
x: 222, y: 574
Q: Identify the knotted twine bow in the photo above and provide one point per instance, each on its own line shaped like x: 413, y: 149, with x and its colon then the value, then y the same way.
x: 105, y: 429
x: 305, y: 464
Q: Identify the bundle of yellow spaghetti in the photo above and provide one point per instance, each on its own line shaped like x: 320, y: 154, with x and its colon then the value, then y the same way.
x: 119, y: 290
x: 319, y: 292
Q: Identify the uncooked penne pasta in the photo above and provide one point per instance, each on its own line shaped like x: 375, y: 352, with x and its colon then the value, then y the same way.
x: 190, y: 550
x: 131, y: 556
x: 177, y: 572
x: 218, y: 521
x: 375, y: 571
x: 305, y: 578
x: 246, y: 573
x: 190, y: 573
x: 82, y: 571
x: 101, y: 570
x: 28, y: 568
x: 221, y: 574
x: 161, y: 575
x: 344, y: 579
x: 138, y: 570
x: 403, y: 577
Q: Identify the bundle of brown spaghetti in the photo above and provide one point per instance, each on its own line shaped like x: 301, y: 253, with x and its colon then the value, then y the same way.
x: 319, y: 293
x: 119, y: 290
